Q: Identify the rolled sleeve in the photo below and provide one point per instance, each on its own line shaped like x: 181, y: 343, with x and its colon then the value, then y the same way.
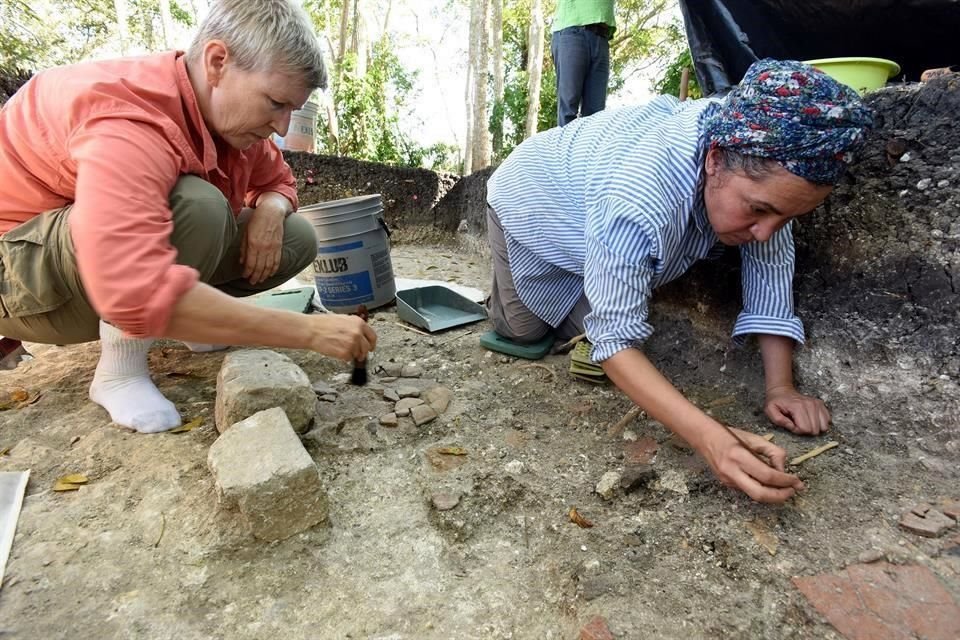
x: 270, y: 173
x: 767, y: 283
x: 121, y: 223
x: 618, y: 281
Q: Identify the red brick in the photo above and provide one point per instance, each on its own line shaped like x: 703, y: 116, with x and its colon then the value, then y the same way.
x: 884, y: 602
x: 596, y: 629
x: 640, y: 451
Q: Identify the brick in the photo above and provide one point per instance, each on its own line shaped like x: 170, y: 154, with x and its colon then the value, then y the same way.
x: 640, y: 451
x: 926, y: 521
x: 262, y: 470
x: 254, y: 380
x: 596, y: 629
x: 880, y: 600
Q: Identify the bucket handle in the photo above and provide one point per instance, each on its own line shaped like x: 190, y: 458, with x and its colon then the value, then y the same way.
x: 384, y: 226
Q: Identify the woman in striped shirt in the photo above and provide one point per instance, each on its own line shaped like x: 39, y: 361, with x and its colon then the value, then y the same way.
x: 586, y: 220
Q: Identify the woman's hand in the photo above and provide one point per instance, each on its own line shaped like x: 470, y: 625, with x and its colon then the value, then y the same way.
x: 262, y: 244
x: 737, y: 467
x: 804, y: 415
x: 343, y: 337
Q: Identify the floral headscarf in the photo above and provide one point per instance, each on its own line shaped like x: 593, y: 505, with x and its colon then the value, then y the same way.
x: 795, y: 114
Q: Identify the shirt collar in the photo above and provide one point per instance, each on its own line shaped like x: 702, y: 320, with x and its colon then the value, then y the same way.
x: 208, y: 149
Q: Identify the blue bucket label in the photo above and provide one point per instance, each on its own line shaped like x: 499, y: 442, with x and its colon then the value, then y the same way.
x: 346, y: 290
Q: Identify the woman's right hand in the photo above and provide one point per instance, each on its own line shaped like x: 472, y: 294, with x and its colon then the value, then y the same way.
x: 343, y: 337
x: 737, y: 467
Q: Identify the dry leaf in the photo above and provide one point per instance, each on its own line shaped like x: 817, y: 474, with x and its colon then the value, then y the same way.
x: 452, y: 451
x: 74, y: 478
x: 20, y: 395
x: 70, y: 482
x: 190, y: 426
x: 768, y: 437
x: 65, y: 486
x: 4, y: 451
x: 763, y: 536
x: 578, y: 519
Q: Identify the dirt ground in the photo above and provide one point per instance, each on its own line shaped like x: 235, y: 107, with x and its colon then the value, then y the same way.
x: 143, y: 551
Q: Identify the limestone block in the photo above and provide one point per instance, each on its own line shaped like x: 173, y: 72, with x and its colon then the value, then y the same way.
x: 254, y: 380
x: 261, y: 469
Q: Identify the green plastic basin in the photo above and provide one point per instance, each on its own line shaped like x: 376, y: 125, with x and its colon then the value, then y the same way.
x: 862, y: 74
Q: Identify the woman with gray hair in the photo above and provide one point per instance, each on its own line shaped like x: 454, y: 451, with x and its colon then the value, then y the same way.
x: 141, y: 196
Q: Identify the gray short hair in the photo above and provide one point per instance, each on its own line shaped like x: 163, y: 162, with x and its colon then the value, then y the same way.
x: 264, y: 35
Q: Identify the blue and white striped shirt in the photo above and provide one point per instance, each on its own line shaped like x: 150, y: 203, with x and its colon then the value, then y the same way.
x: 612, y: 205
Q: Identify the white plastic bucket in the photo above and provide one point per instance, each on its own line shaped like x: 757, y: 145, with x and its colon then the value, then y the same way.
x: 353, y: 265
x: 302, y: 132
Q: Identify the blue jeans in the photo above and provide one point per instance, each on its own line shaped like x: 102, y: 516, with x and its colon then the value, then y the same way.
x: 582, y: 60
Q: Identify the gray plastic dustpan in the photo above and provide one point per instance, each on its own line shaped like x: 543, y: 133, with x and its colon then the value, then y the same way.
x: 435, y: 308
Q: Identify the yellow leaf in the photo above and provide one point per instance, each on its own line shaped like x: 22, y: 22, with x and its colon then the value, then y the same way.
x: 20, y: 395
x: 190, y: 426
x: 578, y: 519
x: 60, y: 485
x: 74, y: 478
x: 4, y: 451
x: 452, y: 451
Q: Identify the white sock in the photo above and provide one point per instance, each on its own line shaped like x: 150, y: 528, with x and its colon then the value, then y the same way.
x: 199, y: 347
x: 123, y: 387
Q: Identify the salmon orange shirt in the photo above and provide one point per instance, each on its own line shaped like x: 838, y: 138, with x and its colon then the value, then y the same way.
x: 112, y: 138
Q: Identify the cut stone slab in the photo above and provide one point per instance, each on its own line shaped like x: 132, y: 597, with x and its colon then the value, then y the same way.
x: 422, y: 414
x: 254, y: 380
x: 926, y: 521
x: 438, y: 397
x: 608, y: 485
x: 411, y: 371
x: 391, y: 369
x: 408, y: 392
x: 403, y: 407
x: 261, y: 469
x: 389, y: 420
x: 391, y: 395
x: 321, y: 388
x: 882, y: 600
x: 951, y: 509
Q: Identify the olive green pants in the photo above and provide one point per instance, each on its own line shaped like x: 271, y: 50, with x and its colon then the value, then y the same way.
x: 43, y: 300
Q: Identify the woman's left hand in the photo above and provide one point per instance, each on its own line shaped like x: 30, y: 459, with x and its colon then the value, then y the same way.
x: 804, y: 415
x: 262, y: 244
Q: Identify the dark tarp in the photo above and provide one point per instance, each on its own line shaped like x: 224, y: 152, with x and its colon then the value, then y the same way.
x: 725, y: 36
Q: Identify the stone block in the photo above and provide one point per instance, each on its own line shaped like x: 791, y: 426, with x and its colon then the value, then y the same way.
x: 261, y: 469
x: 422, y: 414
x: 255, y: 380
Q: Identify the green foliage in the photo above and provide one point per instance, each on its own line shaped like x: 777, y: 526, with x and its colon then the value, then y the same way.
x: 46, y: 33
x: 669, y: 84
x: 368, y: 114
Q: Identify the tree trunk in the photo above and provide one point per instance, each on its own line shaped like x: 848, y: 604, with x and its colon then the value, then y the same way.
x: 534, y: 68
x: 344, y: 29
x: 359, y: 45
x: 121, y: 8
x: 496, y: 28
x: 167, y: 21
x: 481, y: 76
x: 470, y: 88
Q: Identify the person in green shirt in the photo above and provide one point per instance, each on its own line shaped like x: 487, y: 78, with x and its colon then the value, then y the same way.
x: 580, y: 47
